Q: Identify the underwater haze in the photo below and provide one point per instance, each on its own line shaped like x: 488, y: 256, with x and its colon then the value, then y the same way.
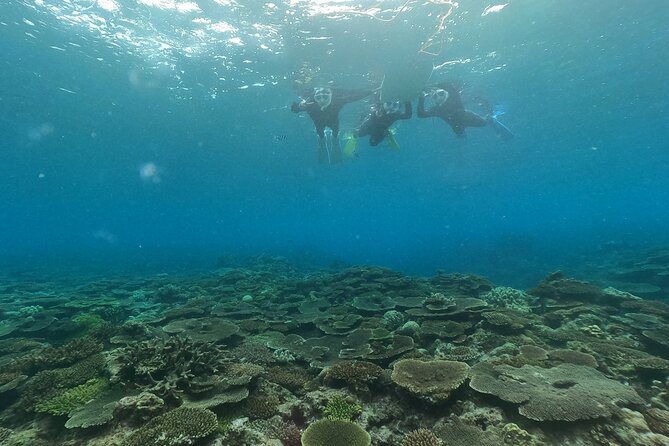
x: 159, y: 133
x: 188, y: 259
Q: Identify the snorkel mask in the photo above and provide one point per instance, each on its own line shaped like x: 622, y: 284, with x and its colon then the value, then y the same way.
x: 439, y: 96
x: 323, y: 97
x: 391, y: 107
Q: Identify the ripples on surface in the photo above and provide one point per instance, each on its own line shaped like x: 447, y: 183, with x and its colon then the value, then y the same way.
x: 245, y: 45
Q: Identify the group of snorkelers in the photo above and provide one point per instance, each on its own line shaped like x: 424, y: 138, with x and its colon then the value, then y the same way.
x: 323, y: 105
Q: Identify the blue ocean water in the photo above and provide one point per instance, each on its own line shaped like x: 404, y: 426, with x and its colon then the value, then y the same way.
x: 158, y: 133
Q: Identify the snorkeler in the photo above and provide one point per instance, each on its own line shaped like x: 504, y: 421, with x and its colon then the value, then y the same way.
x: 446, y: 103
x: 377, y: 125
x: 323, y: 106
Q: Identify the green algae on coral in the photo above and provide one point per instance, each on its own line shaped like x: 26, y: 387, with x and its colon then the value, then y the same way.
x: 48, y: 383
x: 73, y: 398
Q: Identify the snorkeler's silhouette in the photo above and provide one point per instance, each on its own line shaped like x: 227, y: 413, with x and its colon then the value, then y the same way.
x: 447, y: 105
x: 323, y: 106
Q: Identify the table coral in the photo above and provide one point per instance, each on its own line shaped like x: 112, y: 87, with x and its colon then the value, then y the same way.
x: 567, y: 392
x: 430, y: 380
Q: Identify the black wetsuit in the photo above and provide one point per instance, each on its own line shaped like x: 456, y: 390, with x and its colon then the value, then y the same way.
x: 376, y: 125
x: 328, y: 117
x: 451, y: 111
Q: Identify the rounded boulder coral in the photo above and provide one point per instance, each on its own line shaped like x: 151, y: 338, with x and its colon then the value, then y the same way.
x: 335, y: 433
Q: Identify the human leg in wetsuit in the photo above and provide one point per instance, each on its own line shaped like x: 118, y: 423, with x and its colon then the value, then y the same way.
x: 329, y: 151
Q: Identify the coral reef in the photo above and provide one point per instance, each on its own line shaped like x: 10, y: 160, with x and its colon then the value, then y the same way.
x: 293, y: 378
x: 170, y: 367
x: 96, y: 412
x: 263, y: 405
x: 290, y: 435
x: 345, y: 357
x: 335, y: 433
x: 72, y: 399
x: 430, y: 380
x: 341, y: 408
x: 393, y: 319
x: 658, y: 420
x: 505, y: 297
x: 180, y: 426
x: 170, y: 293
x: 559, y: 287
x: 4, y: 434
x: 49, y: 383
x: 356, y: 375
x: 139, y: 408
x: 55, y: 357
x: 421, y: 437
x: 566, y: 392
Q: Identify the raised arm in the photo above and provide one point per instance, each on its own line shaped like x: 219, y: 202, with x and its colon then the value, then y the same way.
x: 348, y: 96
x: 297, y: 107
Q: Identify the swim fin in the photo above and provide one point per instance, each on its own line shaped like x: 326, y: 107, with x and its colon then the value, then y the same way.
x: 351, y: 146
x: 392, y: 142
x: 323, y: 154
x: 332, y: 146
x: 502, y: 131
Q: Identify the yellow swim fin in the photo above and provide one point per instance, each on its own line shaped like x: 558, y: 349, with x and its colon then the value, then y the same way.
x: 392, y: 142
x: 351, y: 146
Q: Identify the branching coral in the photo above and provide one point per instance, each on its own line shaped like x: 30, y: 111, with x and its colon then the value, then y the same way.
x: 421, y: 437
x: 182, y: 426
x: 54, y: 357
x: 73, y: 398
x: 357, y: 375
x: 168, y: 368
x: 261, y: 406
x: 341, y: 408
x: 48, y: 383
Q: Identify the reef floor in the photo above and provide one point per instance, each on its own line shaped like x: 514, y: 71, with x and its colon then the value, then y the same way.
x: 269, y: 354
